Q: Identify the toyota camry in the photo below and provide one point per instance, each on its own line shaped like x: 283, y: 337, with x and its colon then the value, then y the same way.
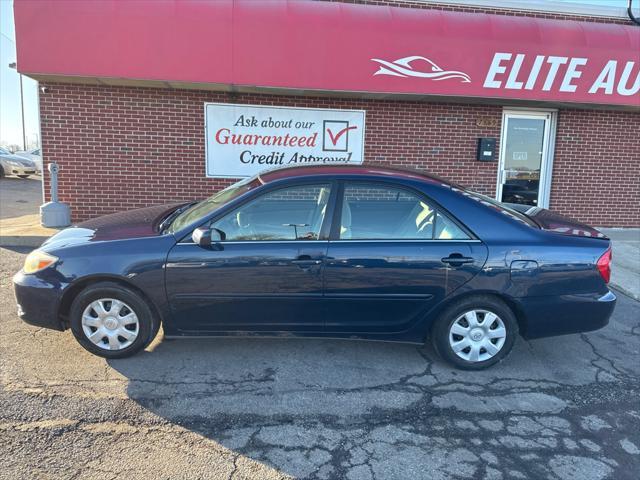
x: 359, y: 252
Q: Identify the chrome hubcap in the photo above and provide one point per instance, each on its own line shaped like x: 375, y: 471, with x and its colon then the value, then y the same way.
x: 477, y: 335
x: 110, y: 324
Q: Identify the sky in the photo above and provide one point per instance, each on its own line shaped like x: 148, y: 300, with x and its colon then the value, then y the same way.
x: 10, y: 116
x: 611, y: 3
x: 10, y: 124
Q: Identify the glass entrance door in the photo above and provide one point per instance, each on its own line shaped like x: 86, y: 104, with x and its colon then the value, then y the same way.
x: 524, y: 158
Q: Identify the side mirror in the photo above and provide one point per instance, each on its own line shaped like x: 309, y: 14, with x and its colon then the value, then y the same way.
x: 205, y: 237
x: 202, y: 236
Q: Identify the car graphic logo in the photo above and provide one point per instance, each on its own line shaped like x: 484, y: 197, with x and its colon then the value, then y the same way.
x: 403, y: 68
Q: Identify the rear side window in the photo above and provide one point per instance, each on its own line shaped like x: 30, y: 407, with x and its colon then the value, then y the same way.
x: 380, y: 212
x: 503, y: 208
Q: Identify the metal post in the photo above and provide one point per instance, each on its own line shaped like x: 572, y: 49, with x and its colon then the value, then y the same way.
x: 53, y: 170
x: 14, y: 66
x: 24, y: 134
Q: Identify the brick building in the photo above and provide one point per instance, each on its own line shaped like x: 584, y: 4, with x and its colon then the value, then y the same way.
x: 123, y: 86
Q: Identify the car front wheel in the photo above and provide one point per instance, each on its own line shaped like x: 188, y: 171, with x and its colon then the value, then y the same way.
x: 476, y: 333
x: 112, y: 321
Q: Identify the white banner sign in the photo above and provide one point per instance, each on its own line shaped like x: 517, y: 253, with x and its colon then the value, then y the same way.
x: 243, y: 140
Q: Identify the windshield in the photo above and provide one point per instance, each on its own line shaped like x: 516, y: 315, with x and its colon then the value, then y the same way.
x: 214, y: 202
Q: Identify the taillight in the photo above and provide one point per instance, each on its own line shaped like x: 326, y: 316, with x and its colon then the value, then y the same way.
x: 604, y: 265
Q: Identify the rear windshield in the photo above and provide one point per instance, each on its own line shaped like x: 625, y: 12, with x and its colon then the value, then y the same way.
x: 500, y: 207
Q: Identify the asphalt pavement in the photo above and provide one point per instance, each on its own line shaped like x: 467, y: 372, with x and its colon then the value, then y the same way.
x: 557, y: 408
x: 20, y: 196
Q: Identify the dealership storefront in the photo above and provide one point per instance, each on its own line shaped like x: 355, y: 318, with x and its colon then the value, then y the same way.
x: 142, y: 105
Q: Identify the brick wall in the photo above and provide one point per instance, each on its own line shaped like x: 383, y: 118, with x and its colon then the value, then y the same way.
x: 125, y: 147
x: 596, y: 171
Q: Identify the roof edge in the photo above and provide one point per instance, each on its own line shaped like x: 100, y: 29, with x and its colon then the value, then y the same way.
x: 558, y: 7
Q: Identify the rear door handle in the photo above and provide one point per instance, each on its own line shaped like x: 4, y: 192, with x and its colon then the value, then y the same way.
x: 456, y: 260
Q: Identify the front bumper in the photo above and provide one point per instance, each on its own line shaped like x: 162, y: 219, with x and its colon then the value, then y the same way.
x: 18, y: 170
x: 38, y: 300
x: 559, y: 315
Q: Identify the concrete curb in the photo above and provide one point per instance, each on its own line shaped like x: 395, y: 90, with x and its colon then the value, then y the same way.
x: 32, y: 241
x: 624, y: 291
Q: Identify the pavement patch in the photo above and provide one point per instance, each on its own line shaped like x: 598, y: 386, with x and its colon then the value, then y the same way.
x: 533, y: 402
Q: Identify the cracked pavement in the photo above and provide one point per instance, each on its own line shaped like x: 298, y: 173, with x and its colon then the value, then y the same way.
x: 557, y: 408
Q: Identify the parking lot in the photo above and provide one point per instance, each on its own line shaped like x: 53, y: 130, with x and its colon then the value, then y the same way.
x: 20, y: 196
x: 558, y: 408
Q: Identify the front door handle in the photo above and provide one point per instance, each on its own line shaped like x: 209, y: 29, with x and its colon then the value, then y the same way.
x: 305, y: 261
x: 457, y: 260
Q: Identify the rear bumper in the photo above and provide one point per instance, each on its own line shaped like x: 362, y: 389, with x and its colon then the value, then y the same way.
x: 559, y: 315
x: 38, y: 301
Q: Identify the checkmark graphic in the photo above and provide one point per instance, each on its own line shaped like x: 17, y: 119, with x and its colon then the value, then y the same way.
x: 335, y: 135
x: 334, y: 138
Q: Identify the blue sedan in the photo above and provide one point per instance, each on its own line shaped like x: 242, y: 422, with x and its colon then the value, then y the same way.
x: 361, y: 252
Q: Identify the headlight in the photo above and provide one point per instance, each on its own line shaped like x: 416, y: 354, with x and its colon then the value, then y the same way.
x: 38, y: 260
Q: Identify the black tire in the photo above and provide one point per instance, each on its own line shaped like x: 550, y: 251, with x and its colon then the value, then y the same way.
x: 442, y: 329
x: 1, y: 172
x: 148, y: 324
x: 24, y: 176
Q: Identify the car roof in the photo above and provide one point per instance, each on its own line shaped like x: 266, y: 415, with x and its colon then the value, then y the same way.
x: 369, y: 170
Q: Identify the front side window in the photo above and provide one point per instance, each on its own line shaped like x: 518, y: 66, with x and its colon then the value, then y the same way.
x: 293, y: 213
x: 211, y: 204
x: 375, y: 212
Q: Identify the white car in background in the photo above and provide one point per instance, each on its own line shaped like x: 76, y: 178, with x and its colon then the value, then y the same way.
x: 34, y: 155
x: 11, y: 164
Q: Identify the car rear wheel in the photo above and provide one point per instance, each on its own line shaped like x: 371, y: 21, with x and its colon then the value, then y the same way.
x: 112, y: 321
x: 476, y: 333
